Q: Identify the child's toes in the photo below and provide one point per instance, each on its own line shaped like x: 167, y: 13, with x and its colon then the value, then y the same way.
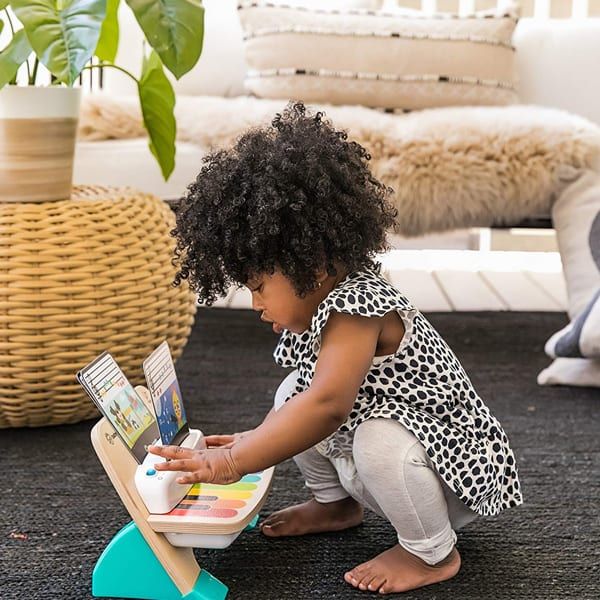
x: 376, y: 583
x: 272, y: 527
x: 266, y: 523
x: 272, y: 518
x: 357, y: 576
x: 352, y: 578
x: 365, y: 580
x: 363, y: 584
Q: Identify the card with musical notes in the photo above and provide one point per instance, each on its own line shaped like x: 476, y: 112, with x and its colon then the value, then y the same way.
x: 161, y: 378
x: 118, y: 401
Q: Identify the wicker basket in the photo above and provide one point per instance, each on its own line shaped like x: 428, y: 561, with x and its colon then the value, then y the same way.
x: 78, y: 277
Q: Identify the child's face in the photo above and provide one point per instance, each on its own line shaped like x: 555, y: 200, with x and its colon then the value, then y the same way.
x: 275, y: 297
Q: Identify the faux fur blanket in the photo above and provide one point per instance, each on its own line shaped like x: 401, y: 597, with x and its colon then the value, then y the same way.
x: 449, y: 167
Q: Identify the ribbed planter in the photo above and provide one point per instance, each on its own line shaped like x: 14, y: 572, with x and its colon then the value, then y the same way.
x: 38, y: 127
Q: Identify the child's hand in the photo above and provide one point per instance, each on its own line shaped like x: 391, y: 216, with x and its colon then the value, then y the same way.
x: 225, y: 441
x: 214, y: 465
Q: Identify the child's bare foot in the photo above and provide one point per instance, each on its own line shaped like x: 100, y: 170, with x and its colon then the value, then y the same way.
x: 397, y: 570
x: 313, y: 517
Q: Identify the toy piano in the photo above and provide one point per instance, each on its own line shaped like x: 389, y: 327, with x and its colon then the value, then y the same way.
x: 151, y: 558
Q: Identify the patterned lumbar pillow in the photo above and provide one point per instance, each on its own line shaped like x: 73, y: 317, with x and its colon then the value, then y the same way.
x: 581, y: 337
x: 395, y: 61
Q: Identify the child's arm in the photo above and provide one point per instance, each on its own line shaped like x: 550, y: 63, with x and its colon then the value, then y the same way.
x: 229, y: 440
x: 347, y: 349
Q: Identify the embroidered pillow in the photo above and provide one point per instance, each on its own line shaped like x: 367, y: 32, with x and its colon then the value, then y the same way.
x: 396, y: 61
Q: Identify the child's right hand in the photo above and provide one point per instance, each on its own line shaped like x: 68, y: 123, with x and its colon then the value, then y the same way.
x: 225, y: 441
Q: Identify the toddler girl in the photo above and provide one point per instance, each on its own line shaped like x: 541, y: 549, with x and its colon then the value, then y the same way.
x: 377, y: 411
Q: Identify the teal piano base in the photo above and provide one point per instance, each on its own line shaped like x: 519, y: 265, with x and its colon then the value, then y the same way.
x: 129, y: 569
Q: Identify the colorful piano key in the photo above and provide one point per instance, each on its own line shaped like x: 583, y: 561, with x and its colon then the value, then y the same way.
x: 222, y: 513
x: 218, y: 501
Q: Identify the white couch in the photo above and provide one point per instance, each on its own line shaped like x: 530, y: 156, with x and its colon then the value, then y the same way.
x: 557, y: 63
x: 557, y: 67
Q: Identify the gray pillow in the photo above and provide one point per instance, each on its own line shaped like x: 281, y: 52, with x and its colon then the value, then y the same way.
x: 581, y: 337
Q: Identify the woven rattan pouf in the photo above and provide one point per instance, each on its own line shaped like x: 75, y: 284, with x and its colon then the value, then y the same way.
x: 78, y: 277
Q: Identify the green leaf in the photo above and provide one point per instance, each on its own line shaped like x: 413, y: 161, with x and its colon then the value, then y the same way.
x: 108, y: 43
x: 158, y: 102
x: 174, y: 28
x: 64, y: 39
x: 13, y: 56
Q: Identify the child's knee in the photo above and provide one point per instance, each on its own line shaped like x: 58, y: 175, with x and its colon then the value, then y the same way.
x: 385, y: 445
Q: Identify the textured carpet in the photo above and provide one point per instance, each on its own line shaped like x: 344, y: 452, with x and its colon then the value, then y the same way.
x: 58, y: 510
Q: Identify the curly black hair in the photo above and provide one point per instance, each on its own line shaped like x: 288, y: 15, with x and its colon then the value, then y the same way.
x: 296, y: 196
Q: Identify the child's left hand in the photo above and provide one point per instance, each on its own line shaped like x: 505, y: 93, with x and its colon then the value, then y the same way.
x: 214, y: 465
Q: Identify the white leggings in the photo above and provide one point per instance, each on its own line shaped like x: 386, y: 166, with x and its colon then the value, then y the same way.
x: 389, y: 473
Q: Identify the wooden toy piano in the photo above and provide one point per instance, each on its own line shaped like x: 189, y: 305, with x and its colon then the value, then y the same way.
x: 151, y: 558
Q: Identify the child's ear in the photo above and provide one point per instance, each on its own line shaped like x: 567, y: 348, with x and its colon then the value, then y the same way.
x: 321, y: 277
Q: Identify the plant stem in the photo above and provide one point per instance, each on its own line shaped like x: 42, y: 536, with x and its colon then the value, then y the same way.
x: 107, y: 64
x: 10, y: 24
x: 35, y: 69
x: 28, y: 72
x: 12, y: 30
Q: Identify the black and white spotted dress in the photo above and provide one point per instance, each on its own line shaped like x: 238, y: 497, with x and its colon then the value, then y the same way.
x: 423, y: 386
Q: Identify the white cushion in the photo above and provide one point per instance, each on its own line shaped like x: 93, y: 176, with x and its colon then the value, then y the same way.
x: 557, y: 62
x: 130, y: 163
x: 575, y: 218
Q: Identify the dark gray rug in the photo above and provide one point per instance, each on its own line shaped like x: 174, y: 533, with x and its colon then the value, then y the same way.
x: 58, y: 509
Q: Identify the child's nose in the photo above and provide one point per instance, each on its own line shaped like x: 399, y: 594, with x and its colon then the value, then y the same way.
x: 256, y: 305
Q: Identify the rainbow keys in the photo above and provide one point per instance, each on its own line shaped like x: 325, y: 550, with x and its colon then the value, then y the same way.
x: 217, y: 501
x: 211, y: 515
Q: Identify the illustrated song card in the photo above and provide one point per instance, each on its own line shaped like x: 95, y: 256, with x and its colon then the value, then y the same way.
x: 118, y: 401
x: 161, y: 378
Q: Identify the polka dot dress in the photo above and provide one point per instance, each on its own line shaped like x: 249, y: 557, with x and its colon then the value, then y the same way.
x: 423, y: 386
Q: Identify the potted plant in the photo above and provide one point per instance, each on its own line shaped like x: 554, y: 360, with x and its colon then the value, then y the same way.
x: 38, y: 122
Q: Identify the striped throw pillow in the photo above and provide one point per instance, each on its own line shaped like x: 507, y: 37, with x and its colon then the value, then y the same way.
x: 393, y: 61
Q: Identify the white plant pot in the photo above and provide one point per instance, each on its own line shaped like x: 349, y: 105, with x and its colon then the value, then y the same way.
x: 38, y: 127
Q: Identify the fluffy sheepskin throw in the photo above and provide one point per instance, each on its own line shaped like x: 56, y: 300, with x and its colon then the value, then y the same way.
x: 449, y: 167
